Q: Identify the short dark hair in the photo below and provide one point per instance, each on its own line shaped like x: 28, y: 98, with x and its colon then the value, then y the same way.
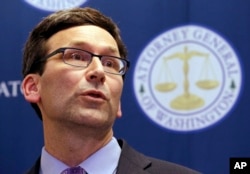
x: 35, y: 46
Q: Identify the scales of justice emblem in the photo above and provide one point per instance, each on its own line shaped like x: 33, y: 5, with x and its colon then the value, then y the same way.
x: 187, y: 78
x: 187, y: 100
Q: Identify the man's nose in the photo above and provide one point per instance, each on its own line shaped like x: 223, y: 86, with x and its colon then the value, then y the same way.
x: 95, y: 71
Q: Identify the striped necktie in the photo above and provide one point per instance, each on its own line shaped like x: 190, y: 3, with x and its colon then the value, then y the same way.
x: 74, y: 170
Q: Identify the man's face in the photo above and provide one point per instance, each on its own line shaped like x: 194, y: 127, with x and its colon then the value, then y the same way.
x: 85, y: 96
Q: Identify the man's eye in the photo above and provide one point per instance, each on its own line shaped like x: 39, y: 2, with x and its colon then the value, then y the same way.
x: 108, y: 63
x: 81, y: 57
x: 76, y: 56
x: 111, y: 63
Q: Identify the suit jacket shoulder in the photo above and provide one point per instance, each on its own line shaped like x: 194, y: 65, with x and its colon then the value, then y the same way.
x: 133, y: 162
x: 35, y: 169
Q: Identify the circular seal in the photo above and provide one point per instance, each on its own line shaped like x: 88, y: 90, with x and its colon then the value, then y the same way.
x: 187, y: 78
x: 54, y: 5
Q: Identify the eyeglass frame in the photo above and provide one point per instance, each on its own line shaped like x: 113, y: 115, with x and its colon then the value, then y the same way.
x: 62, y: 50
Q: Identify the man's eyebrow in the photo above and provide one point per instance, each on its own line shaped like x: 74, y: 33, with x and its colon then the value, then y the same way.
x: 80, y: 44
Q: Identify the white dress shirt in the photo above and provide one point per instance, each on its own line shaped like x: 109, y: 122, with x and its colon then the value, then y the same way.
x: 105, y: 160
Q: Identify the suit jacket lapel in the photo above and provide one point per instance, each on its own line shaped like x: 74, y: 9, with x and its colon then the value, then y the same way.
x: 131, y: 161
x: 35, y: 169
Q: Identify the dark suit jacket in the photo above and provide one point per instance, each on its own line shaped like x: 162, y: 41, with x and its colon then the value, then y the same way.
x: 133, y: 162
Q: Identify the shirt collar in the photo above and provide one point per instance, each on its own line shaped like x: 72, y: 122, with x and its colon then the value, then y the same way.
x: 105, y: 160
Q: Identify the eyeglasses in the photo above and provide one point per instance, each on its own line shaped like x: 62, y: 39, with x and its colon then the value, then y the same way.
x: 81, y: 58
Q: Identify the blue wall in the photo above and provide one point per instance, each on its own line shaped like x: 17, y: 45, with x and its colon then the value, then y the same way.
x: 206, y: 149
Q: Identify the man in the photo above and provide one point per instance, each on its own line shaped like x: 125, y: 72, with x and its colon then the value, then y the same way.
x: 73, y: 66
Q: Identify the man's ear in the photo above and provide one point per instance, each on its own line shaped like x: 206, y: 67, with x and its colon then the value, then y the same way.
x: 30, y: 88
x: 119, y: 111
